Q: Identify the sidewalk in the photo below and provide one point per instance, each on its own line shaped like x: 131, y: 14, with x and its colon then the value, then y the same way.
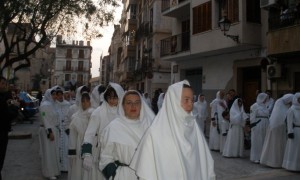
x: 22, y: 161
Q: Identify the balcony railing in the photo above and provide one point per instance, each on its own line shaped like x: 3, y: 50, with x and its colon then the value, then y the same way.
x: 67, y: 68
x: 166, y: 4
x: 284, y: 20
x: 175, y: 44
x: 144, y: 30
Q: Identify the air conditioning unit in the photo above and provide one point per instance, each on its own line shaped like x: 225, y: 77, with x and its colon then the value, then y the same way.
x: 267, y: 3
x: 274, y: 71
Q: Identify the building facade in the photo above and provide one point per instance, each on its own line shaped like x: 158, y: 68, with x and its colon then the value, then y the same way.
x: 283, y: 45
x: 72, y: 64
x: 212, y: 59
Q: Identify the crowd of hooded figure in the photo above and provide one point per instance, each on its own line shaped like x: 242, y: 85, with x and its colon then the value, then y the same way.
x: 110, y: 133
x: 273, y: 127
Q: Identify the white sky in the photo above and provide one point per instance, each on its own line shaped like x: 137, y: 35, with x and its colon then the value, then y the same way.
x: 101, y: 45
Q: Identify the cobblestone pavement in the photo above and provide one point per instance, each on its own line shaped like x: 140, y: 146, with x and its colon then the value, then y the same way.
x: 23, y: 162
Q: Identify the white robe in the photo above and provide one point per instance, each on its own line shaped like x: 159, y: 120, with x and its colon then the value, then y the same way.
x: 275, y: 141
x: 291, y: 160
x: 77, y: 129
x: 173, y: 147
x: 49, y: 150
x: 200, y: 111
x: 234, y: 145
x: 74, y: 107
x: 120, y: 138
x: 99, y: 119
x: 96, y: 98
x: 216, y: 140
x: 259, y: 111
x: 62, y: 108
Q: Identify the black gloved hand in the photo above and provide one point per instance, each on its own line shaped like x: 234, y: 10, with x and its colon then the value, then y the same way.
x: 291, y: 135
x: 67, y: 131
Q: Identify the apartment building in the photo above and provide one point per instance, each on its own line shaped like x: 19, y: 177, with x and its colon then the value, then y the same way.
x: 217, y: 45
x: 115, y: 53
x: 283, y: 45
x: 151, y: 72
x: 105, y: 68
x: 72, y: 64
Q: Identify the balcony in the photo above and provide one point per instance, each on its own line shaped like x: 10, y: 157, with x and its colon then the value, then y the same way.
x: 175, y: 44
x: 284, y: 20
x: 284, y: 34
x: 127, y: 77
x: 175, y: 8
x: 144, y: 30
x: 81, y: 69
x: 68, y: 69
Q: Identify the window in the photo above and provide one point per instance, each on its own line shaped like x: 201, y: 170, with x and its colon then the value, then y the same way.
x: 67, y: 77
x: 68, y: 65
x: 69, y: 53
x: 253, y: 11
x: 80, y: 78
x: 132, y: 12
x: 80, y: 65
x: 81, y: 53
x: 202, y: 18
x: 232, y: 7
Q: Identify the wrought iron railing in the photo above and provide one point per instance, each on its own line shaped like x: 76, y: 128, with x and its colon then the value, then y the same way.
x: 175, y: 44
x: 167, y: 4
x: 284, y: 20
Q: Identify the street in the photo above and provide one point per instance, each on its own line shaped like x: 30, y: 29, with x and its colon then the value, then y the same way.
x: 23, y: 162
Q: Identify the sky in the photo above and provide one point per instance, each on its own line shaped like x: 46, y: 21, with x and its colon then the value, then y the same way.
x: 100, y: 46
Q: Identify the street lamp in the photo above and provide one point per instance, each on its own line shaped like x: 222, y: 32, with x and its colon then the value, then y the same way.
x: 224, y: 25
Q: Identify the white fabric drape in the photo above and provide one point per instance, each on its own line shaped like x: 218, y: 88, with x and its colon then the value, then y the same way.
x: 173, y: 147
x: 275, y: 141
x: 121, y: 137
x: 234, y: 145
x: 291, y: 160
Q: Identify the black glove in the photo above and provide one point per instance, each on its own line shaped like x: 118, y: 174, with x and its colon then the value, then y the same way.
x: 224, y: 134
x: 67, y: 131
x: 291, y: 135
x: 110, y: 170
x: 49, y: 132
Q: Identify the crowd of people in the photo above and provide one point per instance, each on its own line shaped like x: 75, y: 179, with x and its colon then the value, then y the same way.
x: 273, y: 127
x: 109, y: 133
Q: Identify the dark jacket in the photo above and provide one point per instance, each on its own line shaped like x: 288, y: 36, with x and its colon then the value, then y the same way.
x: 5, y: 113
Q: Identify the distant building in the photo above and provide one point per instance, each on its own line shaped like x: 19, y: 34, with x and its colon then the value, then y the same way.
x: 72, y: 64
x: 105, y: 68
x: 94, y: 82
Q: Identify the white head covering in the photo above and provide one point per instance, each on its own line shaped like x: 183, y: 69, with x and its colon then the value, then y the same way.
x: 261, y: 97
x: 96, y: 98
x: 296, y: 104
x: 173, y: 147
x: 198, y: 105
x: 280, y: 109
x: 106, y: 112
x: 78, y: 96
x: 237, y: 112
x: 47, y: 97
x: 146, y: 114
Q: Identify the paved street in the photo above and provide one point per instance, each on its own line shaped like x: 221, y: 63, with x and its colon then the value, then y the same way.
x: 23, y: 163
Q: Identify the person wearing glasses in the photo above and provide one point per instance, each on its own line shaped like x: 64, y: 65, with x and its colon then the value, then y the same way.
x: 174, y: 147
x: 99, y: 119
x: 121, y: 137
